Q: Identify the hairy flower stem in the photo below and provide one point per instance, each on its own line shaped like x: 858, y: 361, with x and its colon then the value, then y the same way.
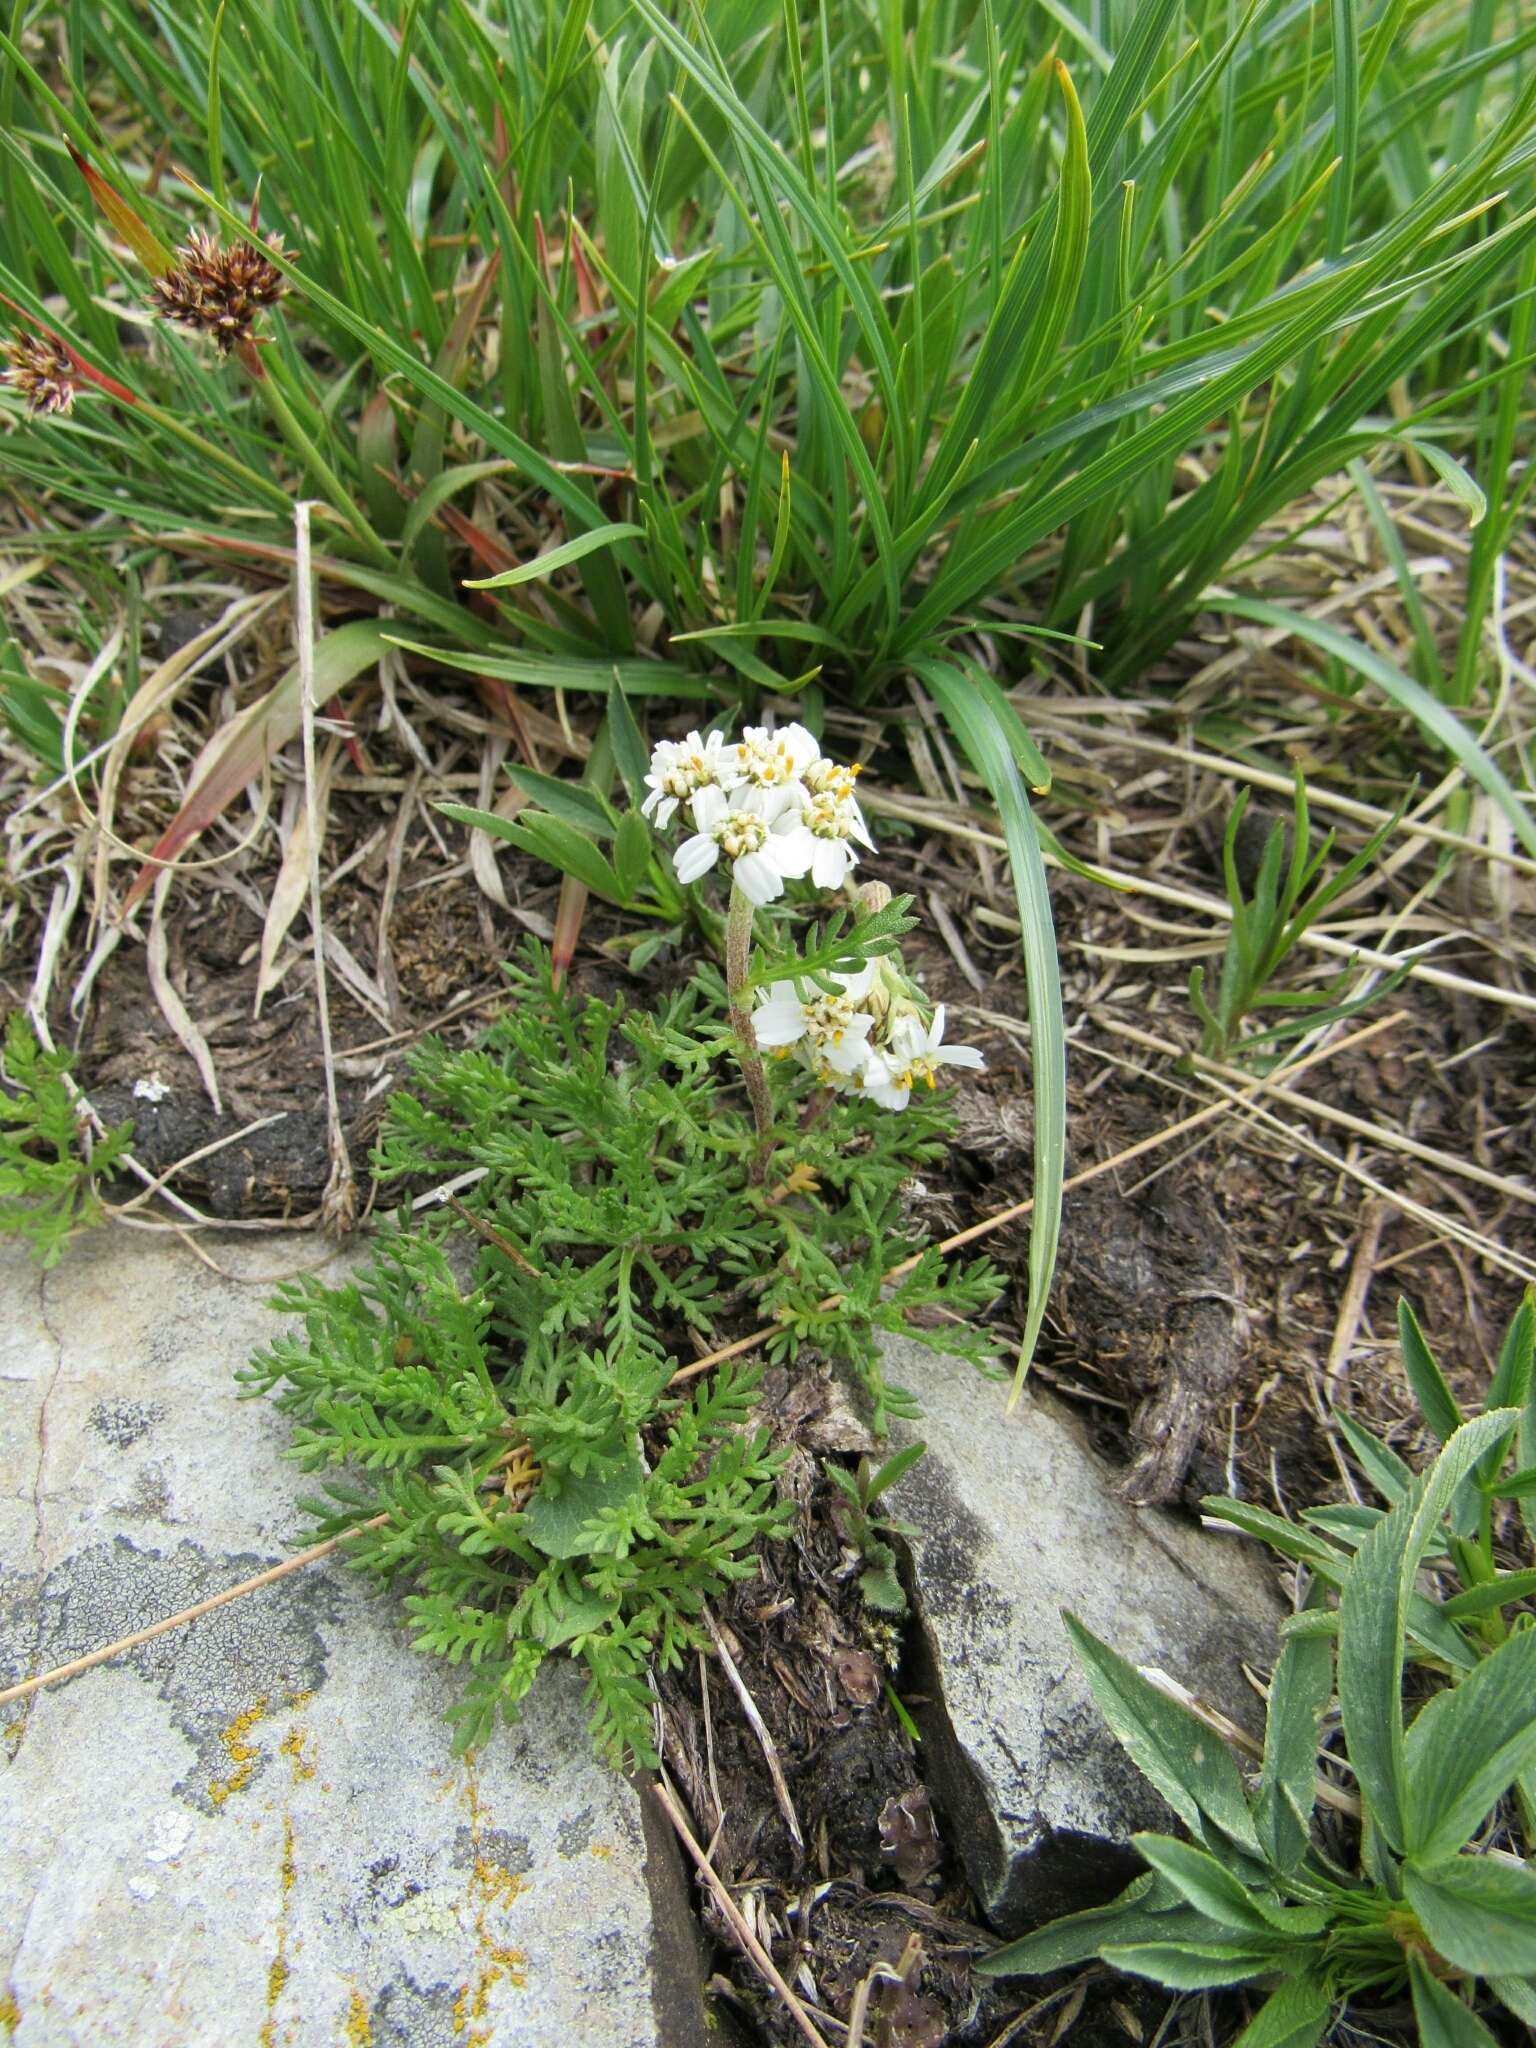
x: 738, y: 965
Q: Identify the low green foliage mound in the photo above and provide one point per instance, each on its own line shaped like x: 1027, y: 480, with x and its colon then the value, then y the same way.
x: 48, y: 1166
x: 501, y: 1376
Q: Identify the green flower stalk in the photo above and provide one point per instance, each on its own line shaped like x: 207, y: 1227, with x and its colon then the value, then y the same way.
x: 738, y: 970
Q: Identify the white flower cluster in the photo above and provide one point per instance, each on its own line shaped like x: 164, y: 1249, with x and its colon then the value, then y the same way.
x: 859, y: 1039
x: 771, y: 803
x: 777, y: 809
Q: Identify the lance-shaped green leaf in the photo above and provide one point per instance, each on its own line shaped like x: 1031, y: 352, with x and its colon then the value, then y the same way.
x: 1373, y: 1617
x: 1467, y: 1747
x: 1169, y: 1745
x: 1147, y: 1910
x: 547, y: 839
x: 557, y: 558
x: 1479, y: 1913
x: 1294, y: 2016
x: 1437, y: 1404
x: 1192, y: 1965
x: 1444, y: 2022
x: 1299, y: 1691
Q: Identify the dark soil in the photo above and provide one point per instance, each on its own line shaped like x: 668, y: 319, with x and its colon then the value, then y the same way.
x: 871, y: 1891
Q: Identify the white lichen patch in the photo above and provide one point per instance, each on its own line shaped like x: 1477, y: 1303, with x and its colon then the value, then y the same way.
x: 434, y: 1911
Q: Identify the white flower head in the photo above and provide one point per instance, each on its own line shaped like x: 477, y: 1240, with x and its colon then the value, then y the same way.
x: 758, y: 830
x: 776, y: 760
x: 833, y: 818
x: 830, y: 1031
x: 681, y: 768
x: 914, y: 1054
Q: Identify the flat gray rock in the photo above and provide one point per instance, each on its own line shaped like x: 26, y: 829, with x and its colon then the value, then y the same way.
x: 1018, y: 1518
x: 252, y: 1829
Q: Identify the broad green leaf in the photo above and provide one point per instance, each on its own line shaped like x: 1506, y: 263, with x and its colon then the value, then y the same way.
x: 1513, y: 1376
x: 556, y: 1521
x: 1386, y: 1471
x: 1202, y: 1881
x: 894, y: 1469
x: 1373, y: 1617
x: 571, y: 1611
x: 1169, y: 1745
x: 1519, y: 1994
x: 1325, y: 1558
x: 1294, y: 2016
x: 1497, y: 1592
x: 1467, y: 1747
x: 1436, y: 1402
x: 566, y: 800
x: 1444, y: 2022
x: 1347, y: 1523
x: 1478, y: 1911
x: 558, y: 558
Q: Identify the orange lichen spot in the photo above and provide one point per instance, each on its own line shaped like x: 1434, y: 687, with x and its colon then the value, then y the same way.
x: 10, y: 2012
x: 501, y: 1887
x: 277, y: 1972
x: 292, y: 1745
x: 603, y: 1851
x: 512, y: 1963
x: 359, y: 2030
x: 242, y: 1754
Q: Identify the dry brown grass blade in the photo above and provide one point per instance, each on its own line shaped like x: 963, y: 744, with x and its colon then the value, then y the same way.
x: 338, y: 1204
x: 1361, y: 1127
x: 667, y: 1800
x: 759, y: 1727
x: 28, y: 1686
x: 247, y: 745
x: 292, y: 882
x: 166, y: 994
